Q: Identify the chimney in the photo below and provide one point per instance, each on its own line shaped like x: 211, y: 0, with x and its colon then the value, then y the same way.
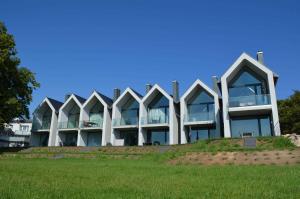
x: 175, y: 86
x: 148, y: 88
x: 117, y: 93
x: 260, y: 56
x: 215, y: 84
x: 67, y: 96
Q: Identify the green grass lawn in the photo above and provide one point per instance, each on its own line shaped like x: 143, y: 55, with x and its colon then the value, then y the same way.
x: 130, y: 173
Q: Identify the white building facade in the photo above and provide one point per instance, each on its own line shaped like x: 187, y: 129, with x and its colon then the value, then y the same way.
x: 249, y: 99
x: 200, y: 113
x: 242, y: 103
x: 45, y: 124
x: 159, y: 118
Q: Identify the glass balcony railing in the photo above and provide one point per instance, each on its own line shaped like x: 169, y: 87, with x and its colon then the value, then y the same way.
x: 45, y: 125
x: 199, y: 117
x: 91, y: 124
x: 162, y: 119
x: 125, y: 121
x: 251, y: 100
x: 68, y: 125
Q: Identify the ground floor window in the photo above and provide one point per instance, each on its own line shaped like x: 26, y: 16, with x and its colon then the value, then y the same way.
x: 130, y: 138
x: 256, y: 126
x: 158, y: 137
x: 94, y: 138
x: 196, y: 134
x: 70, y: 139
x: 43, y: 139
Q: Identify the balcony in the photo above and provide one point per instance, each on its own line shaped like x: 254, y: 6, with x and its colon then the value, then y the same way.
x: 155, y: 119
x: 44, y: 126
x: 199, y: 117
x: 125, y: 121
x: 68, y: 125
x: 251, y: 100
x: 91, y: 124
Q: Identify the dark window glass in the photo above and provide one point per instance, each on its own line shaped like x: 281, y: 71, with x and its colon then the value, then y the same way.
x: 260, y: 126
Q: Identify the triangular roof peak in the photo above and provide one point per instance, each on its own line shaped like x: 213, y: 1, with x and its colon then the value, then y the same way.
x: 131, y: 92
x: 245, y: 57
x: 161, y: 90
x: 106, y: 101
x: 48, y: 102
x: 74, y: 97
x: 196, y: 83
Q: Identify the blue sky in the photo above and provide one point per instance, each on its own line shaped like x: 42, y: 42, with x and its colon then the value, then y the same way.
x: 78, y: 46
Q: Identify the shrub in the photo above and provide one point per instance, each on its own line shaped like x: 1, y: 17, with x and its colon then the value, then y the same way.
x: 282, y: 142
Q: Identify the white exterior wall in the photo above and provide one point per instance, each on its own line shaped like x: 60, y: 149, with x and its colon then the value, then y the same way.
x: 116, y: 114
x: 183, y: 108
x: 106, y: 127
x: 53, y: 125
x: 63, y: 117
x: 173, y: 121
x: 225, y: 95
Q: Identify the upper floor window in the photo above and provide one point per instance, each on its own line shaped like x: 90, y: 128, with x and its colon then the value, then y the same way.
x: 130, y: 111
x: 200, y: 106
x: 96, y: 112
x: 158, y: 110
x: 73, y: 117
x: 247, y: 83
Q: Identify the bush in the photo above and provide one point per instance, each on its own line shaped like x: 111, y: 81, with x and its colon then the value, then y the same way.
x: 282, y: 142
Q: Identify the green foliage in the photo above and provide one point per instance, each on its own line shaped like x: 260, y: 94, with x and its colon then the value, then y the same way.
x: 16, y: 83
x: 282, y: 143
x: 289, y: 113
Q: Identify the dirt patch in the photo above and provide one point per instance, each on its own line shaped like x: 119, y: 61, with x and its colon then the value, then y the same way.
x: 285, y: 157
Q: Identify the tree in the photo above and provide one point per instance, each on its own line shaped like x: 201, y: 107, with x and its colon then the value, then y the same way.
x: 16, y: 83
x: 289, y: 114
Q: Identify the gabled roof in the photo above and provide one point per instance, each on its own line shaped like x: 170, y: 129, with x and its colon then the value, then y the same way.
x: 137, y: 93
x: 202, y: 85
x: 245, y: 57
x: 107, y: 100
x: 129, y: 90
x: 162, y: 91
x: 56, y: 104
x: 80, y: 99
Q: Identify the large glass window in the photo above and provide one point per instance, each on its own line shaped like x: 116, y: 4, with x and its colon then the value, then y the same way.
x: 46, y: 121
x: 248, y: 89
x: 158, y: 110
x: 259, y: 126
x: 130, y: 137
x: 158, y: 137
x: 130, y: 112
x: 201, y: 134
x: 94, y: 139
x: 70, y: 139
x: 73, y: 118
x: 96, y: 115
x: 200, y: 107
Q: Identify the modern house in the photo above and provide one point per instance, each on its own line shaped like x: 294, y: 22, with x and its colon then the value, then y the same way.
x: 242, y: 103
x: 44, y: 125
x: 159, y: 117
x: 200, y: 113
x: 95, y: 120
x: 125, y: 118
x: 68, y: 121
x: 249, y: 98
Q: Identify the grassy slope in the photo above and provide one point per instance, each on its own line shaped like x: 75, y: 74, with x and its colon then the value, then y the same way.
x: 146, y: 177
